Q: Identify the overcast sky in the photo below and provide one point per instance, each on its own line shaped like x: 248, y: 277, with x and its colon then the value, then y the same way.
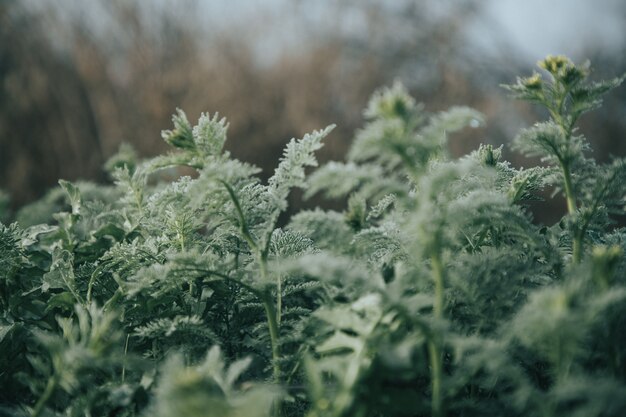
x: 541, y: 27
x: 534, y: 27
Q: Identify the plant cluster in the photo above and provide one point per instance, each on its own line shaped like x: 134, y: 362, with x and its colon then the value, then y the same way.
x: 432, y: 294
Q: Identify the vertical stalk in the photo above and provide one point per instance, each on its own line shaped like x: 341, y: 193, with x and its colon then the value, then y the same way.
x: 569, y: 192
x: 435, y: 343
x: 125, y: 354
x: 50, y: 387
x: 434, y: 353
x: 272, y: 322
x: 571, y: 209
x: 279, y: 298
x: 270, y: 313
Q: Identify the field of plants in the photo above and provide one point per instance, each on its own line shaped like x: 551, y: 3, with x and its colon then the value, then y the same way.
x: 433, y: 293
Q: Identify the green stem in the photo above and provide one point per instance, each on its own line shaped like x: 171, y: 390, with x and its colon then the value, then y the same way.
x: 273, y: 320
x: 434, y: 345
x: 243, y: 225
x: 270, y: 312
x: 571, y: 209
x: 569, y: 192
x: 279, y: 298
x: 566, y: 127
x: 181, y: 241
x: 50, y: 387
x: 125, y: 354
x: 92, y: 281
x: 434, y: 353
x: 113, y: 300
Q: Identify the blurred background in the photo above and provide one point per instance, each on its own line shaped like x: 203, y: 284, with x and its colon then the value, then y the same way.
x: 77, y: 78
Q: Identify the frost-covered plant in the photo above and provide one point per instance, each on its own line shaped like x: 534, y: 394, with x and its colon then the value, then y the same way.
x: 432, y: 294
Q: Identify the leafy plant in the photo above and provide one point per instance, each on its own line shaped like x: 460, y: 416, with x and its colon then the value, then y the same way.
x: 432, y: 293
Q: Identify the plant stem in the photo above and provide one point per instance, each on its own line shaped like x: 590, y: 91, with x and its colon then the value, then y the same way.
x: 243, y: 225
x: 270, y: 312
x: 125, y: 353
x: 92, y: 281
x: 273, y: 320
x: 273, y: 316
x: 434, y: 345
x: 116, y: 296
x: 279, y: 298
x: 434, y: 353
x: 50, y: 387
x: 571, y: 209
x: 569, y: 193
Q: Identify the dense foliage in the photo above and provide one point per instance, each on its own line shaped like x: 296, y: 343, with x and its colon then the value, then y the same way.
x: 432, y: 293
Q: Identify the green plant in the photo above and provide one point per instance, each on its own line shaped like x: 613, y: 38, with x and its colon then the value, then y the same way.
x: 432, y: 293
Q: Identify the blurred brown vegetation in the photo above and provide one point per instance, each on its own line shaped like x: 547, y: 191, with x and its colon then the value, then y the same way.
x: 70, y: 94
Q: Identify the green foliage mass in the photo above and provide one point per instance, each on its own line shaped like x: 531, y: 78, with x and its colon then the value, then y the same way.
x: 432, y: 294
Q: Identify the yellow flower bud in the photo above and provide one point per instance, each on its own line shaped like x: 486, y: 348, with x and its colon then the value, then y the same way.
x: 532, y: 83
x: 555, y: 64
